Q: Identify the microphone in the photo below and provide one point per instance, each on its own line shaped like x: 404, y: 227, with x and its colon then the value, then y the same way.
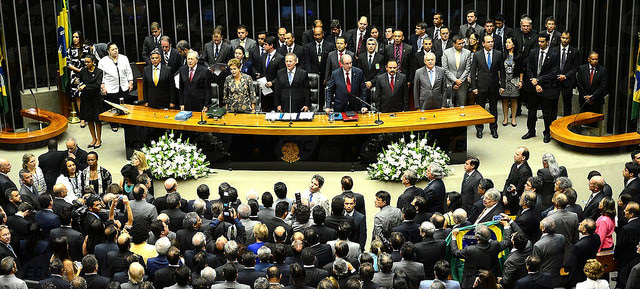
x: 377, y: 121
x: 36, y: 103
x: 202, y: 121
x: 579, y: 111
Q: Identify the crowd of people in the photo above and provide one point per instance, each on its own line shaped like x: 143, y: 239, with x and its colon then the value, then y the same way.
x: 68, y: 216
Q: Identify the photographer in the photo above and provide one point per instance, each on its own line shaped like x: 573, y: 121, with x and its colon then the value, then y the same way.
x: 228, y: 225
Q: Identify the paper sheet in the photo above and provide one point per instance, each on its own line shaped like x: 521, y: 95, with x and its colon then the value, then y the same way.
x: 263, y: 85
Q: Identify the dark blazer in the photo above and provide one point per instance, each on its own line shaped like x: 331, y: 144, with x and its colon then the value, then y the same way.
x: 583, y: 250
x: 497, y: 210
x: 598, y: 88
x: 149, y: 45
x: 548, y: 77
x: 184, y: 237
x: 548, y: 183
x: 194, y: 94
x: 324, y: 254
x: 307, y: 37
x: 413, y: 41
x: 324, y: 233
x: 249, y: 275
x: 475, y: 211
x: 158, y: 96
x: 338, y: 94
x: 161, y: 204
x: 275, y: 64
x: 333, y: 221
x: 95, y: 281
x: 6, y: 183
x: 212, y: 260
x: 57, y: 281
x: 441, y: 234
x: 388, y: 101
x: 352, y: 44
x: 175, y: 61
x: 333, y: 37
x: 571, y: 64
x: 30, y: 196
x: 537, y: 280
x: 409, y: 230
x: 591, y: 209
x: 332, y: 62
x: 517, y: 177
x: 75, y: 241
x: 225, y: 52
x: 428, y: 252
x: 314, y: 275
x: 437, y: 45
x: 47, y: 220
x: 175, y: 219
x: 297, y: 92
x: 360, y: 205
x: 469, y: 190
x: 59, y: 205
x: 311, y: 63
x: 529, y: 222
x: 50, y: 163
x: 435, y: 193
x: 484, y: 79
x: 360, y: 230
x: 370, y: 71
x: 274, y: 222
x: 554, y: 37
x: 406, y: 61
x: 497, y: 44
x: 408, y: 195
x: 626, y: 241
x: 298, y: 50
x: 165, y: 277
x: 524, y: 47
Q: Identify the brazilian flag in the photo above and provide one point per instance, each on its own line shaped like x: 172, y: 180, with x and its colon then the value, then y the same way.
x: 4, y: 100
x: 636, y: 89
x: 64, y: 39
x: 466, y: 237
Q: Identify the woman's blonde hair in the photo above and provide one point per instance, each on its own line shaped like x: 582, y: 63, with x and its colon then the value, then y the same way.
x: 593, y: 269
x: 142, y: 158
x: 234, y: 62
x: 25, y: 159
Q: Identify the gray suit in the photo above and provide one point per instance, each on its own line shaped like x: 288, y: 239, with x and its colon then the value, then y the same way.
x: 143, y: 211
x: 464, y: 27
x: 225, y: 52
x: 385, y: 220
x: 550, y: 250
x: 414, y: 270
x: 427, y: 96
x: 249, y: 44
x: 566, y: 225
x: 332, y: 62
x: 461, y: 72
x: 354, y: 249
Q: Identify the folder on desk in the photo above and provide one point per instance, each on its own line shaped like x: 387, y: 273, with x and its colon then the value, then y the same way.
x: 183, y: 115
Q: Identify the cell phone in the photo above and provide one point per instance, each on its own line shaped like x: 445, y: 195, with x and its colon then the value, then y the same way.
x: 298, y: 198
x: 351, y: 113
x: 497, y: 218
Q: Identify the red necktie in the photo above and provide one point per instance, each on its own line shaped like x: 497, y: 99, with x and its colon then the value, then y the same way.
x: 340, y: 59
x: 360, y: 41
x: 348, y: 83
x: 191, y: 75
x: 591, y: 78
x: 391, y: 84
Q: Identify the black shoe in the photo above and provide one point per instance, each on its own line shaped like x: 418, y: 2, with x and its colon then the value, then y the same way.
x: 479, y: 134
x: 494, y: 134
x: 546, y: 139
x: 528, y: 135
x: 505, y: 123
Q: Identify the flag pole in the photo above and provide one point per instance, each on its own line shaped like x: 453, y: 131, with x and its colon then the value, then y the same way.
x: 638, y: 118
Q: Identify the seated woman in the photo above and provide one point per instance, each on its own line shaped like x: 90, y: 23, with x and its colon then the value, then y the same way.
x: 239, y: 92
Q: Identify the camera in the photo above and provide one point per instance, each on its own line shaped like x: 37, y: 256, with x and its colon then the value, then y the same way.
x: 226, y: 208
x: 298, y: 199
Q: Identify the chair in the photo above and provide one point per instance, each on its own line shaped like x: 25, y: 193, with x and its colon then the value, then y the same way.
x: 215, y: 97
x: 607, y: 260
x: 314, y: 83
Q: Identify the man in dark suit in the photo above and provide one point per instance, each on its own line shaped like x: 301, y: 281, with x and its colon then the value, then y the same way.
x: 359, y: 234
x: 157, y: 83
x: 358, y: 36
x: 415, y: 270
x: 492, y: 206
x: 487, y: 81
x: 534, y: 279
x: 74, y: 237
x: 438, y: 23
x: 217, y: 51
x: 550, y: 250
x: 75, y: 152
x: 592, y: 82
x: 472, y: 18
x: 322, y: 252
x: 46, y: 218
x: 527, y: 39
x: 165, y: 277
x: 191, y: 224
x: 402, y: 53
x: 585, y: 249
x: 151, y: 42
x: 392, y: 91
x: 176, y: 216
x: 408, y: 228
x: 591, y: 210
x: 370, y: 62
x: 249, y: 274
x: 344, y: 88
x: 441, y: 232
x: 59, y: 204
x: 346, y: 185
x: 315, y: 54
x: 338, y: 216
x: 55, y: 269
x: 269, y: 65
x: 282, y: 209
x: 429, y: 250
x: 627, y: 239
x: 292, y: 87
x: 502, y: 31
x: 409, y: 179
x: 324, y: 233
x: 481, y: 256
x: 435, y: 192
x: 50, y: 163
x: 428, y: 45
x: 442, y: 42
x: 514, y: 266
x: 554, y: 35
x: 195, y: 86
x: 198, y: 243
x: 528, y: 218
x: 28, y: 192
x: 569, y: 63
x: 334, y: 58
x: 170, y: 56
x: 6, y: 250
x: 489, y: 29
x: 90, y: 269
x: 307, y: 35
x: 416, y: 40
x: 291, y: 46
x: 5, y: 182
x: 470, y: 181
x: 337, y: 32
x: 518, y: 176
x: 543, y: 73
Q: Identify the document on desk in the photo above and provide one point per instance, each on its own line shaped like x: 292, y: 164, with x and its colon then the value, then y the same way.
x: 263, y: 85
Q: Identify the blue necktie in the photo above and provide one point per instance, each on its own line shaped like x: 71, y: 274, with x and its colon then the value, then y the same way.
x: 11, y: 249
x: 268, y: 59
x: 310, y: 198
x: 489, y: 60
x: 431, y: 77
x: 290, y: 77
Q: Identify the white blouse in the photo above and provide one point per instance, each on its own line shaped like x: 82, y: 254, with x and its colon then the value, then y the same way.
x: 116, y: 76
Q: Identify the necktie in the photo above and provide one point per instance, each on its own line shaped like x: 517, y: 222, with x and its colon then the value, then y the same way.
x: 191, y: 75
x: 242, y: 43
x: 310, y: 198
x: 590, y: 198
x: 481, y: 215
x: 563, y: 58
x: 370, y: 60
x: 348, y: 83
x: 11, y: 249
x: 397, y: 56
x: 431, y: 79
x: 489, y: 60
x: 591, y: 77
x: 155, y: 76
x: 436, y: 34
x: 261, y: 51
x: 360, y: 42
x: 340, y: 59
x: 420, y: 44
x: 290, y: 49
x: 466, y: 177
x: 268, y: 59
x: 457, y: 59
x: 392, y: 83
x: 217, y: 50
x: 290, y: 77
x: 166, y: 58
x: 540, y: 62
x: 319, y: 53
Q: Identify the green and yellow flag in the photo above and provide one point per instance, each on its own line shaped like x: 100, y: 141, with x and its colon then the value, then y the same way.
x: 4, y: 100
x: 636, y: 89
x: 64, y: 39
x: 466, y: 237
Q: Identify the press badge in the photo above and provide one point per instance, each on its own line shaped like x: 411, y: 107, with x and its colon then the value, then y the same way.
x: 246, y: 54
x: 377, y: 65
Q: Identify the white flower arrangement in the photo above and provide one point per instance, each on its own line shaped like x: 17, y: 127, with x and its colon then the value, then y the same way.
x: 400, y: 156
x: 176, y: 158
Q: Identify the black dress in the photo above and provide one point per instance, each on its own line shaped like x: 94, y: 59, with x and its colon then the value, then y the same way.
x: 92, y: 101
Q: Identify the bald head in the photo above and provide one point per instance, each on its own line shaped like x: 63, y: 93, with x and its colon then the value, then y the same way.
x: 596, y: 182
x: 60, y: 190
x: 5, y: 166
x: 279, y: 231
x: 171, y: 185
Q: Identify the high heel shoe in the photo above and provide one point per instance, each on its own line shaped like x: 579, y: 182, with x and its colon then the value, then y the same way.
x: 505, y: 123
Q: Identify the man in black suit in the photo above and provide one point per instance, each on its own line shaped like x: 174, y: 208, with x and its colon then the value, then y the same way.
x: 6, y: 249
x: 429, y: 250
x: 358, y: 36
x: 626, y: 241
x: 170, y: 56
x: 308, y: 35
x: 592, y: 82
x: 502, y: 31
x: 514, y: 266
x: 337, y: 32
x: 527, y: 39
x: 534, y: 279
x: 554, y: 35
x: 28, y: 192
x: 487, y: 81
x: 75, y: 152
x: 586, y: 248
x: 442, y: 42
x: 438, y: 23
x: 492, y: 206
x: 282, y: 209
x: 195, y: 85
x: 542, y: 72
x: 157, y: 83
x: 322, y: 252
x: 5, y: 182
x: 591, y: 210
x: 55, y: 269
x: 475, y: 211
x: 269, y: 65
x: 176, y: 216
x: 359, y: 234
x: 292, y: 92
x: 165, y: 277
x: 256, y: 52
x: 569, y: 64
x: 90, y: 269
x: 46, y: 218
x: 631, y: 186
x: 470, y: 181
x: 324, y: 233
x: 392, y: 90
x: 314, y: 274
x: 441, y: 232
x: 59, y: 204
x: 518, y: 176
x: 346, y: 88
x: 418, y: 59
x: 483, y: 255
x: 416, y: 40
x: 334, y: 58
x: 435, y: 192
x: 50, y: 163
x: 191, y: 224
x: 489, y: 29
x: 402, y: 53
x: 408, y: 228
x: 315, y: 53
x: 346, y: 184
x: 291, y: 47
x: 528, y: 218
x: 217, y: 51
x: 370, y: 62
x: 337, y: 214
x: 74, y: 237
x: 249, y: 274
x: 409, y: 179
x: 151, y: 42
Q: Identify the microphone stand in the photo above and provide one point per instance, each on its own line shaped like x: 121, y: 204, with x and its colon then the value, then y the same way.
x: 37, y: 110
x: 290, y: 108
x: 377, y: 121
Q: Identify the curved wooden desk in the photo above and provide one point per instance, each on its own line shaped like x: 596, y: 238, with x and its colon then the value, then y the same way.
x: 255, y: 124
x: 560, y: 132
x: 57, y: 125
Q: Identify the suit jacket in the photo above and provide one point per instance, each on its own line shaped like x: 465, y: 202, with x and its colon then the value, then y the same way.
x: 324, y: 233
x: 486, y: 79
x: 409, y: 230
x: 497, y: 210
x: 314, y: 275
x: 571, y: 65
x: 435, y: 193
x: 59, y: 204
x: 176, y: 216
x: 529, y: 222
x: 212, y: 259
x: 418, y: 60
x: 333, y: 37
x: 550, y: 250
x: 332, y: 61
x: 75, y: 241
x: 333, y: 221
x: 497, y: 44
x: 591, y: 209
x: 298, y: 50
x: 414, y: 270
x: 413, y: 41
x: 376, y: 68
x: 567, y: 225
x: 360, y: 203
x: 47, y: 220
x: 307, y: 37
x: 406, y: 60
x: 314, y: 64
x: 449, y: 65
x: 30, y: 196
x: 585, y: 249
x: 225, y: 52
x: 274, y: 222
x: 427, y: 96
x: 195, y: 94
x: 161, y: 204
x: 548, y: 77
x: 184, y: 237
x: 517, y: 177
x: 537, y: 280
x: 428, y: 252
x: 248, y: 43
x: 554, y: 38
x: 437, y: 45
x: 548, y: 183
x: 360, y: 230
x: 275, y: 64
x: 391, y: 101
x: 57, y: 281
x: 50, y: 163
x: 480, y: 256
x: 469, y: 190
x: 6, y: 183
x: 431, y: 32
x: 158, y: 96
x: 149, y: 45
x: 297, y: 92
x: 407, y: 196
x: 95, y: 281
x: 385, y: 220
x: 249, y: 275
x: 525, y: 43
x: 506, y: 32
x: 514, y: 267
x: 626, y: 241
x: 165, y: 277
x: 597, y: 88
x: 175, y: 61
x: 352, y: 44
x: 324, y: 254
x: 338, y: 94
x: 464, y: 27
x: 442, y: 234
